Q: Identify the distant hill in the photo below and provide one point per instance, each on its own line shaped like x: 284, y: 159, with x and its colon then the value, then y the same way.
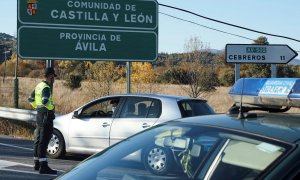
x: 6, y: 37
x: 216, y: 51
x: 295, y: 62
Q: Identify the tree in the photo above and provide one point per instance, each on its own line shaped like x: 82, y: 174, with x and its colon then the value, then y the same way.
x: 199, y: 73
x: 258, y: 70
x: 286, y: 71
x: 67, y: 68
x: 225, y: 71
x: 143, y: 77
x: 226, y: 76
x: 102, y: 74
x: 200, y: 79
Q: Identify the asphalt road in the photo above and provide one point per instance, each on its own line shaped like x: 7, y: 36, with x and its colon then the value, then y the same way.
x: 16, y: 161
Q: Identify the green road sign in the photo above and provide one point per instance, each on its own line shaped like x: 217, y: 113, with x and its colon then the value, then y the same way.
x: 129, y: 14
x: 86, y: 44
x: 116, y: 30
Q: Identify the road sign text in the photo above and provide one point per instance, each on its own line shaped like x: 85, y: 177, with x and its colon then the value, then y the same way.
x: 258, y: 53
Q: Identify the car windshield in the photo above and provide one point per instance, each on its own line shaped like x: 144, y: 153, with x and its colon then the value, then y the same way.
x: 182, y: 151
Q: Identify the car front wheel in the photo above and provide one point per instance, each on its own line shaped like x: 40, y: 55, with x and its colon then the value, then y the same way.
x: 56, y: 146
x: 157, y: 160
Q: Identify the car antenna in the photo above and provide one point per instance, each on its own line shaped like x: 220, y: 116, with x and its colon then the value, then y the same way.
x: 241, y: 113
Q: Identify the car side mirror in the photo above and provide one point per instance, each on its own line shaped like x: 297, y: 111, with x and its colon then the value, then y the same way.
x: 75, y: 115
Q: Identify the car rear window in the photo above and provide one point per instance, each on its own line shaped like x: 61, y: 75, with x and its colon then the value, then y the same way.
x: 191, y: 108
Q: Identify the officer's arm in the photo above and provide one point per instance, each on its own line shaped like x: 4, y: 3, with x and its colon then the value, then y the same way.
x: 31, y: 98
x: 45, y: 96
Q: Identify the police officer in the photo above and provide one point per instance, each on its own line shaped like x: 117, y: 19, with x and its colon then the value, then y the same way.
x: 41, y: 99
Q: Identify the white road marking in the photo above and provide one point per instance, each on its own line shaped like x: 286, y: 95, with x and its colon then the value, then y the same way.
x: 4, y: 164
x: 30, y: 149
x: 28, y: 172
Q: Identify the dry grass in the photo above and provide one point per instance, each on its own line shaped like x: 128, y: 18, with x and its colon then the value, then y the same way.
x: 16, y: 128
x: 67, y: 100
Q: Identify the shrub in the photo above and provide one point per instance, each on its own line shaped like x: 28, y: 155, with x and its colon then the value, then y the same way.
x: 73, y: 81
x: 226, y: 76
x: 35, y: 74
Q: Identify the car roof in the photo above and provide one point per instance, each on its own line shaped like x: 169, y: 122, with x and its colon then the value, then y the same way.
x: 280, y: 126
x: 159, y: 96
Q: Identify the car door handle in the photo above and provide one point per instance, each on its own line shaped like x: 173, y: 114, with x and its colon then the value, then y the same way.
x: 145, y: 125
x: 105, y: 124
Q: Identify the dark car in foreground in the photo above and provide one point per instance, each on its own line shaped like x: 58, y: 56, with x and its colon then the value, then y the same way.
x: 256, y: 139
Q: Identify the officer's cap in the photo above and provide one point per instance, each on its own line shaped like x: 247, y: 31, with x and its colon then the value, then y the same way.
x: 49, y: 71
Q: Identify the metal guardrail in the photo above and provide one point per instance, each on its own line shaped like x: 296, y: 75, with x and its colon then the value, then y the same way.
x: 18, y: 114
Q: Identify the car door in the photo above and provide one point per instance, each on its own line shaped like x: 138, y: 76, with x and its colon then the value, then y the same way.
x: 136, y: 114
x: 89, y: 131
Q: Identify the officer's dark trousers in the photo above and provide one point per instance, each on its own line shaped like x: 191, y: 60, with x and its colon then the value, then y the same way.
x: 43, y: 134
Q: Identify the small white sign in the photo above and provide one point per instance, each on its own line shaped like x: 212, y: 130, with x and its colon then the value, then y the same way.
x: 261, y: 54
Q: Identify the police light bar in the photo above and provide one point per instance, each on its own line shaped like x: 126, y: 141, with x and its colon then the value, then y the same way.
x: 267, y: 92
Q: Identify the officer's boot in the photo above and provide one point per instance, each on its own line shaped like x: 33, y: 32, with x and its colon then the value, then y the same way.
x: 45, y: 169
x: 36, y: 165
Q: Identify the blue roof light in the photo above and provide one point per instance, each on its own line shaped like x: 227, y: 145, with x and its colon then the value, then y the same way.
x: 267, y: 91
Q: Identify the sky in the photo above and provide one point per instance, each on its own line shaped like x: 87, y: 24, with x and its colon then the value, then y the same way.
x: 280, y: 17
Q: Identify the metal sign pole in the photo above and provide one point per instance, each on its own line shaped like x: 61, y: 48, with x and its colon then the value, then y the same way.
x: 273, y: 71
x: 49, y: 63
x: 237, y: 72
x: 16, y: 85
x: 128, y: 76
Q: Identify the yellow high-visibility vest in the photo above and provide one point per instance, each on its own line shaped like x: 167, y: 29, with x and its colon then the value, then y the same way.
x: 38, y: 96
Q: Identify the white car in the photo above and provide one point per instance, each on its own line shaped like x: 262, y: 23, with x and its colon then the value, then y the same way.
x: 108, y: 120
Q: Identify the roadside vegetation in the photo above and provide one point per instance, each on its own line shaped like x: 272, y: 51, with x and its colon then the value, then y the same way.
x: 199, y: 72
x: 17, y: 129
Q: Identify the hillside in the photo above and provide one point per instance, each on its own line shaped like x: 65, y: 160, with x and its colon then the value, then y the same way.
x: 6, y: 37
x: 7, y: 44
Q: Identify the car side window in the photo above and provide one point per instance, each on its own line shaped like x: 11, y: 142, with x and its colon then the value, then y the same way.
x: 139, y: 107
x: 155, y: 109
x: 191, y: 108
x: 100, y: 109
